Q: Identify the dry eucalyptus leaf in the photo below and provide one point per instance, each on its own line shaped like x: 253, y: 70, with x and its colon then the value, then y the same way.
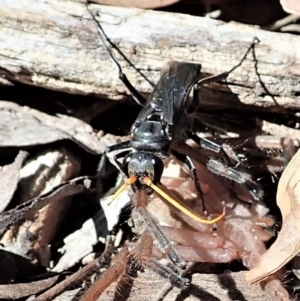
x: 287, y: 244
x: 112, y: 211
x: 19, y: 290
x: 24, y: 126
x: 9, y: 178
x: 291, y: 6
x: 18, y: 130
x: 91, y: 231
x: 67, y: 188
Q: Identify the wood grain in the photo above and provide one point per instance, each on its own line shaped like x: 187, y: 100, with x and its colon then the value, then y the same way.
x: 56, y: 45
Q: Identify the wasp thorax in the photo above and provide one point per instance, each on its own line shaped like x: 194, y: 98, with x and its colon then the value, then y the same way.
x: 150, y: 136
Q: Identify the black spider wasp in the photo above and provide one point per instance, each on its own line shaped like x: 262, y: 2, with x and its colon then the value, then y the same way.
x: 167, y: 116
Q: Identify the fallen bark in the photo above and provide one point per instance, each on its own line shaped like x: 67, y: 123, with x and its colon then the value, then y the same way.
x: 56, y: 45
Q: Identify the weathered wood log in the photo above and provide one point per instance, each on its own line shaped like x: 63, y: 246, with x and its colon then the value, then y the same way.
x: 56, y: 45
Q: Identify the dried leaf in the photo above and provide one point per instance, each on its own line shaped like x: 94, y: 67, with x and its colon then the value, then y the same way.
x: 67, y: 188
x: 87, y: 235
x: 287, y: 244
x: 19, y: 130
x: 40, y: 173
x: 9, y: 177
x: 68, y: 295
x: 19, y: 290
x: 23, y: 126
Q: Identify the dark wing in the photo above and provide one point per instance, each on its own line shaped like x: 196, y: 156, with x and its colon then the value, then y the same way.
x: 172, y: 91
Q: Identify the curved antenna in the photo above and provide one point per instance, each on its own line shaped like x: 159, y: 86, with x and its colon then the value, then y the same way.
x: 181, y: 206
x: 139, y: 99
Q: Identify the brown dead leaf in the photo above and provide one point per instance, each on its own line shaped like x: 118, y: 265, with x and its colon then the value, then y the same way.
x: 64, y: 189
x: 287, y: 244
x: 19, y: 290
x: 9, y: 177
x: 40, y: 173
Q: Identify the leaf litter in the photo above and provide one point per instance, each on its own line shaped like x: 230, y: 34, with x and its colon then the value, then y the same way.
x: 287, y: 244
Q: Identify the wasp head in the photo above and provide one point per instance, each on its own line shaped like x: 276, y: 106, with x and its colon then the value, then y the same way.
x: 141, y: 164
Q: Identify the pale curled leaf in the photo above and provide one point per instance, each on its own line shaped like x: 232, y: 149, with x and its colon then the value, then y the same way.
x: 66, y: 188
x: 87, y: 235
x: 41, y: 172
x: 9, y: 178
x: 287, y: 244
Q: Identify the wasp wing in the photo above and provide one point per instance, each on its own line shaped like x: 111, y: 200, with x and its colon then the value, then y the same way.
x: 171, y: 94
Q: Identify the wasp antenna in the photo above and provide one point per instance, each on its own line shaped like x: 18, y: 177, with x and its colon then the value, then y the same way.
x: 128, y: 182
x: 181, y: 206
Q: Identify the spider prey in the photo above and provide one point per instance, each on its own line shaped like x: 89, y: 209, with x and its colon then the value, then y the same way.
x: 241, y: 234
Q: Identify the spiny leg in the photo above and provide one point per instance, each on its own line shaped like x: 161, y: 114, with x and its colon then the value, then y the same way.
x: 235, y: 176
x: 117, y: 268
x: 131, y: 258
x: 227, y: 169
x: 144, y: 249
x: 156, y: 231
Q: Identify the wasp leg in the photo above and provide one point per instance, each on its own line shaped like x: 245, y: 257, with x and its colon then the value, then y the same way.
x: 199, y: 191
x: 166, y: 272
x: 189, y: 163
x: 144, y: 249
x: 227, y: 169
x: 224, y: 75
x: 119, y: 146
x: 120, y: 155
x: 157, y: 233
